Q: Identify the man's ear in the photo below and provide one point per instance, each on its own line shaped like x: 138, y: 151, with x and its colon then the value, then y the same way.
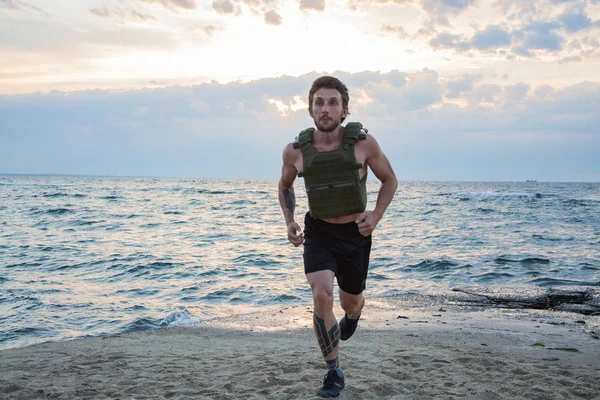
x: 310, y: 113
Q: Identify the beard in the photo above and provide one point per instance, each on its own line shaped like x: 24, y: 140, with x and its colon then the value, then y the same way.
x: 333, y: 125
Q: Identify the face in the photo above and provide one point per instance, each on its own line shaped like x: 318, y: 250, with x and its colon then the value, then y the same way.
x: 327, y: 109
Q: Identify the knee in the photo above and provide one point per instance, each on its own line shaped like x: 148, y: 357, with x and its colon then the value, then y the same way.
x: 323, y: 297
x: 352, y: 304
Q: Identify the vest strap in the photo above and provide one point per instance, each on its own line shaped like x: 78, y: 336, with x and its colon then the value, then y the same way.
x: 352, y: 134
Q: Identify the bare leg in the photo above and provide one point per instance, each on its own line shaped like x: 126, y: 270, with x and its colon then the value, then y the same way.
x: 352, y: 303
x: 325, y: 324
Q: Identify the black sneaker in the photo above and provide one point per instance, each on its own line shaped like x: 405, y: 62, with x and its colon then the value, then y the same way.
x: 332, y: 384
x: 347, y: 327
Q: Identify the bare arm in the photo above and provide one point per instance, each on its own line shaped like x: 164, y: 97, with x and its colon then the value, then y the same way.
x: 287, y: 196
x: 381, y: 167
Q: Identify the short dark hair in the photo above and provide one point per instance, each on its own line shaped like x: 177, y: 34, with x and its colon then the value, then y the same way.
x: 328, y: 82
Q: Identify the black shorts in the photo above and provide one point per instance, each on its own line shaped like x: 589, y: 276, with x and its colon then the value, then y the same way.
x: 339, y: 248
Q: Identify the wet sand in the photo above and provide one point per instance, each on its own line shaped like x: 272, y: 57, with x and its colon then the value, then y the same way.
x: 412, y: 347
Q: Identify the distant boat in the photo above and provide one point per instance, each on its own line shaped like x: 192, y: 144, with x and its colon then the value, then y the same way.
x: 530, y: 180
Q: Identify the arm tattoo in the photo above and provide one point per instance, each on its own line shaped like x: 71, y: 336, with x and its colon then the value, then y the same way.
x: 327, y: 340
x: 290, y: 199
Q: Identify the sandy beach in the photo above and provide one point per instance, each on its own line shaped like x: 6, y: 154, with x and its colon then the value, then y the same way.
x: 405, y: 348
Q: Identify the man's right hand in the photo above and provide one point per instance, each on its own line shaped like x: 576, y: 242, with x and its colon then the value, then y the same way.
x: 295, y: 235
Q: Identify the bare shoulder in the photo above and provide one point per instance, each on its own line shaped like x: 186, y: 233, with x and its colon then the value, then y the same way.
x: 290, y: 153
x: 369, y: 145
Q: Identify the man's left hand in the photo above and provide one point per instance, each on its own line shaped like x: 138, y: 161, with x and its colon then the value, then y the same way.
x: 367, y: 222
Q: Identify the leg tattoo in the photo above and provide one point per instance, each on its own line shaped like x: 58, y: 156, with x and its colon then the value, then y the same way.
x: 327, y: 340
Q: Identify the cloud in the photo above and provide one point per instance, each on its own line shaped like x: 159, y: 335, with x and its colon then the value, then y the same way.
x: 19, y: 5
x: 536, y: 35
x: 263, y: 8
x: 446, y: 6
x: 121, y: 14
x: 438, y: 7
x: 142, y: 16
x: 101, y: 12
x: 398, y: 30
x: 458, y: 86
x: 174, y: 4
x: 272, y: 17
x: 575, y: 20
x: 317, y: 5
x: 210, y: 30
x: 491, y: 37
x: 418, y: 117
x: 224, y: 7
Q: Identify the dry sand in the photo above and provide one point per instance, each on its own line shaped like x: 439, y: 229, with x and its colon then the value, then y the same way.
x: 403, y: 349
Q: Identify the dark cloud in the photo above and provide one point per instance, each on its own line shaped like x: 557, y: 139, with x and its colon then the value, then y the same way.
x: 272, y: 17
x: 539, y: 35
x: 575, y: 20
x: 490, y: 38
x: 317, y: 5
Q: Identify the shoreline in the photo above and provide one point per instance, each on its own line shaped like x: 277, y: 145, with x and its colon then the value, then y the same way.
x: 408, y: 347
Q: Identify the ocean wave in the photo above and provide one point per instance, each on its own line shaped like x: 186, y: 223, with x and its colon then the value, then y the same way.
x: 492, y: 276
x: 552, y: 239
x: 22, y: 334
x: 138, y: 292
x: 432, y: 265
x: 51, y: 211
x: 138, y: 275
x: 525, y: 261
x: 494, y: 195
x: 582, y: 202
x: 551, y: 282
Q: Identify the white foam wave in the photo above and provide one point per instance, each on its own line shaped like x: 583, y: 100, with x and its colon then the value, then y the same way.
x: 180, y: 318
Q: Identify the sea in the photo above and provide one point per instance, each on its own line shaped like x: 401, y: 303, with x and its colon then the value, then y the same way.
x: 92, y: 256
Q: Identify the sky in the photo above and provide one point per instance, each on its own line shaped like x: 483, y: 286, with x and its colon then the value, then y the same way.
x: 453, y: 90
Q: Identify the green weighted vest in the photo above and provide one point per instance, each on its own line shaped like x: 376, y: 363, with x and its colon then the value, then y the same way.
x: 332, y: 180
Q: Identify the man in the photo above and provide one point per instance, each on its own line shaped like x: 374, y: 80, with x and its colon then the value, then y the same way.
x: 334, y: 162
